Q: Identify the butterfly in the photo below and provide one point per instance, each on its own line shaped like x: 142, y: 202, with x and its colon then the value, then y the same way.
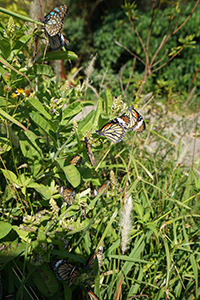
x: 122, y: 120
x: 98, y: 255
x: 97, y: 191
x: 54, y: 19
x: 68, y: 194
x: 76, y: 160
x: 113, y: 130
x: 89, y: 152
x: 66, y: 271
x: 136, y: 120
x: 57, y: 41
x: 91, y: 294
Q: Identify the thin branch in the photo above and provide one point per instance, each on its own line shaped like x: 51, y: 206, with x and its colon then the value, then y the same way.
x: 168, y: 60
x: 186, y: 18
x: 160, y: 59
x: 150, y: 27
x: 159, y: 48
x: 180, y: 14
x: 165, y: 38
x: 133, y: 54
x: 137, y: 33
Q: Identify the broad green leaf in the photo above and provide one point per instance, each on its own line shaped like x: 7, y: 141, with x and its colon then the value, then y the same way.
x: 72, y: 109
x: 29, y: 146
x: 11, y: 251
x: 39, y: 107
x: 45, y: 280
x: 5, y: 228
x: 13, y: 120
x: 62, y: 55
x: 44, y: 70
x: 71, y: 173
x: 43, y: 124
x: 10, y: 176
x: 87, y: 123
x: 42, y: 189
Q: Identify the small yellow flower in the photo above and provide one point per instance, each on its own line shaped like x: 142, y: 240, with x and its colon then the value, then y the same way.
x: 20, y: 92
x: 14, y: 95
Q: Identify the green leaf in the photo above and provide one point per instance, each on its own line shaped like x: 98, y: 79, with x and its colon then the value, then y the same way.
x: 7, y: 116
x: 99, y: 110
x: 42, y: 189
x: 10, y: 176
x: 139, y: 209
x: 5, y: 228
x: 45, y: 280
x: 153, y: 227
x: 61, y: 55
x: 43, y: 124
x: 71, y: 173
x: 8, y: 12
x: 5, y: 47
x: 11, y: 251
x: 39, y: 107
x: 44, y: 70
x: 72, y: 109
x: 109, y: 101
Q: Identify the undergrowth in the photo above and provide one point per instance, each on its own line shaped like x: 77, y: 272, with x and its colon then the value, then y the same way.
x: 39, y: 137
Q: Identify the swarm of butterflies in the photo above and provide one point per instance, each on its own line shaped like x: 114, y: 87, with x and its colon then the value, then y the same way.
x: 66, y: 271
x: 115, y: 129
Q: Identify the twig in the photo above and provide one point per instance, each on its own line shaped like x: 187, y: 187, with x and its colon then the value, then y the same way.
x: 133, y: 54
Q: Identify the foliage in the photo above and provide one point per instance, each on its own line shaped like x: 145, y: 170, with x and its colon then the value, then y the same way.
x: 39, y: 136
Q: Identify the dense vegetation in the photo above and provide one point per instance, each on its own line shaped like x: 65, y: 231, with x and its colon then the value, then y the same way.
x: 148, y: 220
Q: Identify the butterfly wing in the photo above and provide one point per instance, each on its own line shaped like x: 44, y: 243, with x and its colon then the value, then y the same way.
x: 112, y: 131
x: 57, y: 41
x: 63, y: 269
x: 103, y: 187
x: 76, y: 160
x: 92, y: 295
x: 136, y: 120
x: 73, y: 275
x: 54, y: 19
x: 91, y: 259
x: 89, y: 152
x: 67, y: 194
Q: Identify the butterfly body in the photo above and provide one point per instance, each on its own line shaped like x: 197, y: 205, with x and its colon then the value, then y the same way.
x: 67, y: 194
x: 54, y: 19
